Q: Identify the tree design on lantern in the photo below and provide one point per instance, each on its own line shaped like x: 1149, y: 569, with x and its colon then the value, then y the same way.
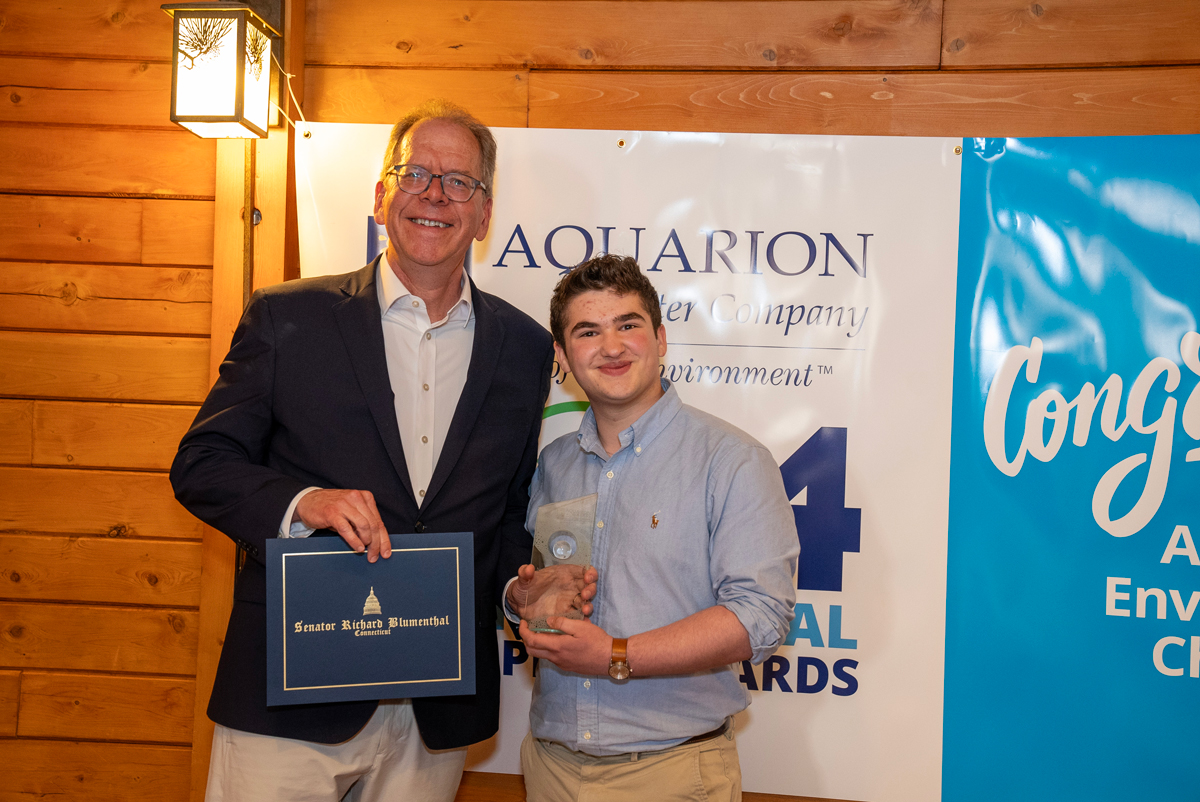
x: 200, y: 38
x: 256, y: 48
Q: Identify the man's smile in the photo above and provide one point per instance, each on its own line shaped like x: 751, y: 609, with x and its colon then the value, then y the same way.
x: 425, y: 221
x: 615, y: 368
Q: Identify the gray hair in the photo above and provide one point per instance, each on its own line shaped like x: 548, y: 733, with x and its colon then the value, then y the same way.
x: 439, y: 109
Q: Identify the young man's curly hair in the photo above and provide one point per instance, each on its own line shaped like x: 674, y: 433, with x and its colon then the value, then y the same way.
x: 609, y: 271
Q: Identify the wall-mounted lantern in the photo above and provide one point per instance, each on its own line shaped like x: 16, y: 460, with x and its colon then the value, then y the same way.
x: 221, y: 76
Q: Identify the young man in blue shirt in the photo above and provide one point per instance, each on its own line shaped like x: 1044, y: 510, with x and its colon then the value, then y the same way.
x: 696, y: 547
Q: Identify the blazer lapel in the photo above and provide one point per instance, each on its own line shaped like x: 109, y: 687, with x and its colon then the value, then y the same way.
x: 485, y: 358
x: 358, y: 318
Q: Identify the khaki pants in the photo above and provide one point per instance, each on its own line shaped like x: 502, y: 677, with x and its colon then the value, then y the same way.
x: 386, y: 761
x: 704, y: 772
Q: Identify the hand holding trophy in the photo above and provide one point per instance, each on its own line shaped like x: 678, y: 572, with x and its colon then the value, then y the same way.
x: 560, y: 580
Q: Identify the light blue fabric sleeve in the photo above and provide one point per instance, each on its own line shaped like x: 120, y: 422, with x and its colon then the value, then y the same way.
x: 754, y: 546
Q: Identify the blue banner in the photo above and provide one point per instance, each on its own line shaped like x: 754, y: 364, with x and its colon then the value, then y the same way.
x: 1073, y: 587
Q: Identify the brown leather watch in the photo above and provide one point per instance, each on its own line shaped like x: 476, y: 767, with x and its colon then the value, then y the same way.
x: 618, y: 664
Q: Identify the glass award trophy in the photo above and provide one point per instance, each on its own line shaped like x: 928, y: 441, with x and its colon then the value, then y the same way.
x: 563, y: 536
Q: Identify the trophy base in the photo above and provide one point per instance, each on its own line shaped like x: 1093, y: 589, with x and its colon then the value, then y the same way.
x: 540, y: 625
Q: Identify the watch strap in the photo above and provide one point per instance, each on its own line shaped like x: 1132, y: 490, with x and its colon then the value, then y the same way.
x: 618, y: 663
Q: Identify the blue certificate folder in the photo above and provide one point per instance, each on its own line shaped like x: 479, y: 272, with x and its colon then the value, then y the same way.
x: 342, y: 629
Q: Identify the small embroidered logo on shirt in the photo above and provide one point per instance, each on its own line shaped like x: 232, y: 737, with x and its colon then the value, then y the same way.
x: 654, y: 522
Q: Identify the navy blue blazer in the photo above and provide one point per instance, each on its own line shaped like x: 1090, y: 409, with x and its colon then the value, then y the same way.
x: 303, y: 399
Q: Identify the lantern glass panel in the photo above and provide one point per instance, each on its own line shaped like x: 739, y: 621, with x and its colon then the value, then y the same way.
x: 207, y: 68
x: 258, y: 76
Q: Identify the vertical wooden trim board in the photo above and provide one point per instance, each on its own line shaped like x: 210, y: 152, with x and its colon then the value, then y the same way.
x: 218, y: 553
x: 264, y: 175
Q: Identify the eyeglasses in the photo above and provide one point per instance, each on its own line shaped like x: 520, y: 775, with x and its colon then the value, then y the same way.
x: 414, y: 180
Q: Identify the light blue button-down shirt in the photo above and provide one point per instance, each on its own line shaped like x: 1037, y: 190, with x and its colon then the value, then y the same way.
x: 691, y: 513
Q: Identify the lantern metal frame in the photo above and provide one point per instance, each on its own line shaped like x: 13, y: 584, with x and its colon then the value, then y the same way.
x: 245, y: 15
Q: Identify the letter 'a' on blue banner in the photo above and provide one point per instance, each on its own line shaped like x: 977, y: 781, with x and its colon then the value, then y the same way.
x: 1073, y: 596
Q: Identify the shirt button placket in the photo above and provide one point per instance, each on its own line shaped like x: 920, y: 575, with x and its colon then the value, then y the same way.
x: 589, y: 717
x: 427, y: 361
x: 604, y: 496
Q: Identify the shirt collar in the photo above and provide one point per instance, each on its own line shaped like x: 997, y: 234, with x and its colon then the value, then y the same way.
x: 643, y: 430
x: 392, y: 289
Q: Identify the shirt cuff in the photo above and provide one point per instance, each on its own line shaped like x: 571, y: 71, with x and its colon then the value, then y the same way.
x: 289, y: 529
x: 766, y: 627
x: 508, y: 611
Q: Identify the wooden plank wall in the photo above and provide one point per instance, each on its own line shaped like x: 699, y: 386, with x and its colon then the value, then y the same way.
x: 856, y: 67
x: 106, y: 241
x: 866, y: 67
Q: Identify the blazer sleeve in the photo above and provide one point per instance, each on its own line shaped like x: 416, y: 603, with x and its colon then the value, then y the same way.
x: 516, y: 544
x: 220, y: 473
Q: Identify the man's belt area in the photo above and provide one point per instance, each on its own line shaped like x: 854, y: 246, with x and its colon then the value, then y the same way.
x: 725, y: 728
x: 708, y: 736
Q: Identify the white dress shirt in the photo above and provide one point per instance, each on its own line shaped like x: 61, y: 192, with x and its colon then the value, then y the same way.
x: 427, y: 367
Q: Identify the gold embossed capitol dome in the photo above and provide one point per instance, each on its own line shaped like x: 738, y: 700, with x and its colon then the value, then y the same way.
x: 372, y: 605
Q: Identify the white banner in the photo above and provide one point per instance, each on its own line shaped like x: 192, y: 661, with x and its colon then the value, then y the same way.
x: 807, y: 288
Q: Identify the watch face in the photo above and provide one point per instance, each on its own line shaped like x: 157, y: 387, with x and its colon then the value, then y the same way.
x: 619, y: 671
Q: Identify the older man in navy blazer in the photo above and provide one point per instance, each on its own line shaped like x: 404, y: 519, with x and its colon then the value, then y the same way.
x: 395, y: 399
